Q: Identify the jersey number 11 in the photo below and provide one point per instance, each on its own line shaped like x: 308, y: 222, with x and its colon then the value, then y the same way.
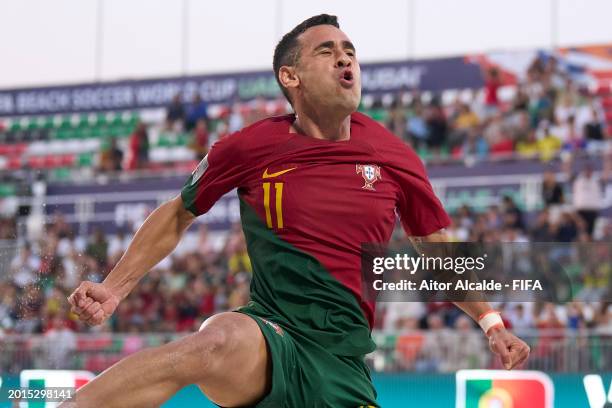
x: 278, y: 188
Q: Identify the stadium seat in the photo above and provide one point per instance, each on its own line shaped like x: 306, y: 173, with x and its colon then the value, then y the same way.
x: 52, y: 161
x: 37, y: 148
x: 85, y: 160
x: 68, y: 160
x: 14, y: 163
x: 4, y: 149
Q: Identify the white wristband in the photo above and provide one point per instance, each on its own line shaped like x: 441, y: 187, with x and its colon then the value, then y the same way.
x: 489, y: 320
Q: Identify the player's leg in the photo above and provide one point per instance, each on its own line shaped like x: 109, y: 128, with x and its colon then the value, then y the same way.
x: 243, y: 371
x: 227, y: 358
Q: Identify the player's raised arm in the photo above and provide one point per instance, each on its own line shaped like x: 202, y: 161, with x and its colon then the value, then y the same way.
x: 219, y: 172
x: 154, y: 240
x: 512, y: 351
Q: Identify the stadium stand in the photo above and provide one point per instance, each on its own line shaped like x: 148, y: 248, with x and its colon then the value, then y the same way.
x: 545, y: 115
x: 547, y: 118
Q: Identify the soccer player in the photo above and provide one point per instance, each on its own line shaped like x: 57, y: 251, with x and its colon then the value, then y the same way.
x: 313, y: 186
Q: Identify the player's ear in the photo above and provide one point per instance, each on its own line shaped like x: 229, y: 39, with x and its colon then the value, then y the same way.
x: 288, y: 77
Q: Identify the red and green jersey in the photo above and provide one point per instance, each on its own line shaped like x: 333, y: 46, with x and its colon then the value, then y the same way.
x: 307, y: 206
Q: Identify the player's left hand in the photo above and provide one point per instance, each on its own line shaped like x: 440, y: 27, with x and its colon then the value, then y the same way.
x: 511, y: 350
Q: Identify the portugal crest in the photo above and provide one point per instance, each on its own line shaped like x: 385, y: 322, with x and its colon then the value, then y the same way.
x: 370, y: 173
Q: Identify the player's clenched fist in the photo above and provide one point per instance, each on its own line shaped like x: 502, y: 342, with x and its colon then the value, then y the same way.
x: 511, y: 350
x: 93, y: 302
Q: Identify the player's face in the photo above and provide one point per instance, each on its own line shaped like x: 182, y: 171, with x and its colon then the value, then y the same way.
x: 328, y: 71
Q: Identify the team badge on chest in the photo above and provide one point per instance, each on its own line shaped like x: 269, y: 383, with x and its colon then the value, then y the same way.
x: 370, y: 174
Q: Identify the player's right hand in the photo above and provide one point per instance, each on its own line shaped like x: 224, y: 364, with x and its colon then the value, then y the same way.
x: 93, y: 302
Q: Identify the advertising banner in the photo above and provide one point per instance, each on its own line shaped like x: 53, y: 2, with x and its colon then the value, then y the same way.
x: 465, y: 389
x: 430, y: 74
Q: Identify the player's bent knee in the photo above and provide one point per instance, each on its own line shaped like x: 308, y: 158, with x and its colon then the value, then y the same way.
x: 219, y: 337
x: 199, y: 355
x: 240, y: 357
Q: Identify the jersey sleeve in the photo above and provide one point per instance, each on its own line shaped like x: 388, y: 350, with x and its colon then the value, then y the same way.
x: 222, y: 170
x: 421, y: 212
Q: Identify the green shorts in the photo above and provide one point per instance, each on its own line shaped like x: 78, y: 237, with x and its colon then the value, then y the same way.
x: 306, y: 375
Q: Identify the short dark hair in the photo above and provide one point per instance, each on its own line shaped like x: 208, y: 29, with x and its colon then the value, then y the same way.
x: 287, y: 50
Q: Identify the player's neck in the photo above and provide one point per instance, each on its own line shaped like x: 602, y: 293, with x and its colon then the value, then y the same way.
x: 335, y: 129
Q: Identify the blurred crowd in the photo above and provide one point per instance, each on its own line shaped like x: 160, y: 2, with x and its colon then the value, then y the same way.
x: 175, y: 296
x: 547, y: 117
x: 571, y: 214
x: 214, y: 274
x: 544, y: 115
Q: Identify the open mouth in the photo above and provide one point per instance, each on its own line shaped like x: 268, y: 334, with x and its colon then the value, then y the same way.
x: 346, y: 78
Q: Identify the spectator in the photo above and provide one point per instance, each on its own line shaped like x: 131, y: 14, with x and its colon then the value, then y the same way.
x: 586, y: 112
x: 111, y: 157
x: 574, y: 142
x: 566, y: 130
x: 437, y: 341
x: 139, y: 147
x: 97, y: 247
x: 520, y: 318
x: 409, y: 343
x: 521, y: 100
x: 593, y: 131
x: 240, y: 294
x: 513, y: 216
x: 235, y: 121
x: 492, y: 85
x: 541, y: 232
x: 24, y: 267
x: 552, y: 192
x: 238, y: 260
x: 604, y: 318
x: 8, y: 228
x: 436, y: 126
x: 60, y: 227
x: 416, y: 127
x: 528, y: 148
x: 566, y: 230
x: 59, y: 344
x: 552, y: 195
x: 197, y: 110
x: 469, y: 355
x: 466, y: 119
x: 548, y: 145
x: 397, y: 118
x: 199, y: 140
x: 175, y: 114
x: 464, y: 123
x: 497, y: 136
x: 258, y: 110
x: 397, y: 312
x: 587, y: 197
x: 566, y: 103
x: 546, y: 352
x: 474, y: 146
x: 493, y: 217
